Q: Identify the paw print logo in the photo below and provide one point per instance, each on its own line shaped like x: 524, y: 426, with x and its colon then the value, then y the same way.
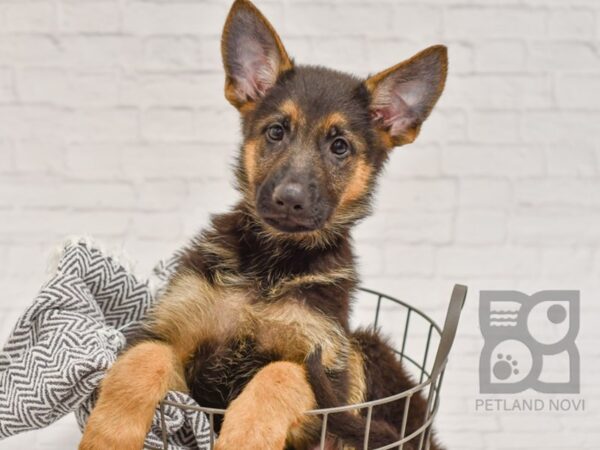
x: 523, y: 336
x: 505, y: 367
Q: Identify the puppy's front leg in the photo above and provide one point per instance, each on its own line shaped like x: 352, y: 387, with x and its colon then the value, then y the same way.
x: 129, y: 393
x: 273, y: 402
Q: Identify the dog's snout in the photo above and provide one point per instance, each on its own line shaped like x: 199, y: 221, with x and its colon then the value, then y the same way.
x: 292, y: 203
x: 290, y: 197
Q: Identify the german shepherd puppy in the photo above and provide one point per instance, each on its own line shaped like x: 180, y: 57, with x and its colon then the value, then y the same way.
x: 256, y: 318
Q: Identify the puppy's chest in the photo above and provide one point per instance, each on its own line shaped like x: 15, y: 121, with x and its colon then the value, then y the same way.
x: 193, y: 312
x: 285, y: 327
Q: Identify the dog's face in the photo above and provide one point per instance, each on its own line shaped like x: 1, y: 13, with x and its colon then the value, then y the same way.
x: 316, y: 139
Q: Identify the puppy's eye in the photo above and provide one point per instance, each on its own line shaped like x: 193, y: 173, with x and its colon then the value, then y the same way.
x: 275, y: 132
x: 340, y: 147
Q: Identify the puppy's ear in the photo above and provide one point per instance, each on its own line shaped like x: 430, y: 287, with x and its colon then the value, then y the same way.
x: 403, y: 96
x: 253, y: 55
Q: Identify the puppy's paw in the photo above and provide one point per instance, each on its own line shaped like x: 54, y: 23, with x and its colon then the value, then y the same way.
x: 117, y: 441
x: 106, y: 432
x: 249, y: 439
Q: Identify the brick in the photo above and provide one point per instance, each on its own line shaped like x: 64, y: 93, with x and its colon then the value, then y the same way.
x: 167, y: 195
x: 181, y: 160
x: 25, y: 260
x: 6, y: 157
x: 553, y: 228
x: 39, y: 156
x: 52, y: 193
x: 202, y: 199
x: 341, y: 53
x: 174, y: 17
x: 313, y: 19
x: 7, y: 91
x: 494, y: 127
x: 481, y: 227
x: 500, y: 56
x: 160, y: 124
x: 94, y: 160
x: 475, y: 421
x: 557, y: 192
x: 60, y: 223
x: 487, y: 262
x: 173, y: 53
x: 383, y: 52
x: 373, y: 227
x: 533, y: 440
x: 298, y: 47
x: 564, y: 264
x: 409, y: 260
x: 104, y: 125
x: 35, y: 17
x: 571, y: 158
x: 418, y: 227
x: 365, y: 20
x: 445, y: 125
x: 571, y: 23
x: 473, y: 22
x: 493, y: 160
x: 218, y: 126
x: 34, y: 122
x: 371, y: 259
x: 500, y: 92
x: 30, y: 49
x: 578, y: 91
x: 90, y: 17
x: 157, y: 225
x: 415, y: 21
x: 43, y: 85
x: 528, y: 421
x: 471, y: 440
x: 61, y: 87
x: 559, y: 126
x: 417, y: 195
x: 484, y: 193
x: 188, y: 90
x: 546, y: 55
x: 417, y: 160
x: 101, y: 51
x: 462, y: 56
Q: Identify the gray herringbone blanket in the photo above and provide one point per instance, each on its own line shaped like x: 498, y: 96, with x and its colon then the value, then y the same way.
x: 61, y: 347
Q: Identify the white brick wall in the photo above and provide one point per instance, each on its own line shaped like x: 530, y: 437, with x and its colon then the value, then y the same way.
x: 113, y: 123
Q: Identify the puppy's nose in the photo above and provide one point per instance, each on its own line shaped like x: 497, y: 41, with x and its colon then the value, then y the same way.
x: 291, y: 197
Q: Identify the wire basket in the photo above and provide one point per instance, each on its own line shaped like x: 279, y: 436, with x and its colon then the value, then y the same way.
x: 414, y: 337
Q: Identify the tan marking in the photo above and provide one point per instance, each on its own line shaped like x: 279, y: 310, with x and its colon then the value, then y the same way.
x: 410, y: 135
x: 292, y: 110
x: 336, y: 119
x: 193, y: 310
x: 292, y: 330
x: 250, y: 156
x: 227, y: 258
x: 272, y: 403
x: 358, y: 184
x: 386, y: 139
x: 331, y: 277
x: 356, y: 378
x: 129, y: 393
x: 247, y: 108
